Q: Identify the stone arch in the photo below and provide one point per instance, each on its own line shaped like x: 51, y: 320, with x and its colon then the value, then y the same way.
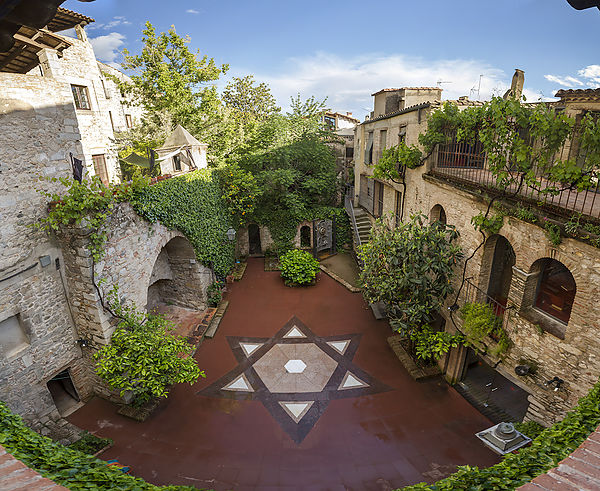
x: 176, y: 277
x: 254, y: 240
x: 305, y: 236
x: 437, y: 214
x: 495, y: 274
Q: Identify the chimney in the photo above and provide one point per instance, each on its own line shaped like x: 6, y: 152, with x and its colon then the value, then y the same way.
x: 516, y: 87
x: 348, y: 113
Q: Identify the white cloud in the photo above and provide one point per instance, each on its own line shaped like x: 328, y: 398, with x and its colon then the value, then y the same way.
x: 107, y: 47
x: 116, y: 21
x: 592, y: 73
x: 192, y: 11
x: 564, y: 81
x: 349, y: 82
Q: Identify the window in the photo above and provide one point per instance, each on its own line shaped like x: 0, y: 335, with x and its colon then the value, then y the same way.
x: 12, y: 336
x: 81, y: 97
x: 398, y: 211
x: 112, y: 123
x: 106, y: 92
x: 177, y: 162
x: 369, y: 149
x: 461, y: 154
x: 329, y: 123
x: 100, y: 168
x: 128, y: 121
x: 382, y: 142
x: 437, y: 214
x: 378, y: 204
x: 556, y: 290
x: 349, y: 152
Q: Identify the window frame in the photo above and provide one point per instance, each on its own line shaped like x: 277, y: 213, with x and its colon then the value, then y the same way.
x: 78, y: 91
x: 538, y: 291
x: 103, y: 176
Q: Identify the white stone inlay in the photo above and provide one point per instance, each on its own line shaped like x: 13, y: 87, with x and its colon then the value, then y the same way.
x: 294, y: 332
x: 250, y: 348
x: 351, y: 381
x: 296, y: 410
x: 239, y: 384
x: 295, y: 366
x: 339, y: 346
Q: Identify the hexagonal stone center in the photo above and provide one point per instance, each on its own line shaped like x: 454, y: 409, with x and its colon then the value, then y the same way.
x: 295, y: 366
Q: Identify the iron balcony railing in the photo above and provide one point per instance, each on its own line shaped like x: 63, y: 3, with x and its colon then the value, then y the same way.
x: 476, y: 294
x: 466, y: 163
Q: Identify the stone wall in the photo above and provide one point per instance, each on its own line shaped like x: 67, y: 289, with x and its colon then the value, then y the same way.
x: 132, y: 250
x: 42, y: 127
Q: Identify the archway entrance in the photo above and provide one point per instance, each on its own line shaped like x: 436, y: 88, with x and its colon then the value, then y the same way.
x: 501, y: 271
x: 254, y: 240
x: 63, y: 392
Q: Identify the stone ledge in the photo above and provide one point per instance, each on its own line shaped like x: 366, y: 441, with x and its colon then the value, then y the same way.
x: 214, y: 325
x: 415, y: 371
x: 340, y: 280
x: 14, y: 474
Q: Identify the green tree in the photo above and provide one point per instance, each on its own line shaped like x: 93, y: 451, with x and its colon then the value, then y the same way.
x: 410, y: 268
x: 250, y: 102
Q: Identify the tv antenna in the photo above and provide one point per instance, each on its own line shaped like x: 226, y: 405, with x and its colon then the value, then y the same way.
x: 440, y: 82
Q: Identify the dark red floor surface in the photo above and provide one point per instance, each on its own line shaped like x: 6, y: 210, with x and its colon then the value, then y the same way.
x: 416, y: 432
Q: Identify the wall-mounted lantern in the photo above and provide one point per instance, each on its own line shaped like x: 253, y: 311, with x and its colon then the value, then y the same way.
x: 230, y: 234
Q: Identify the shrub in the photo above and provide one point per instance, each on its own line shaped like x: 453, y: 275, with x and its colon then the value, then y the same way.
x: 214, y: 293
x: 298, y: 267
x: 479, y: 321
x: 90, y: 444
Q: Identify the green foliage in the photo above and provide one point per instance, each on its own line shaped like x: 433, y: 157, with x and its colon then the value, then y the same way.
x: 410, y: 268
x: 169, y: 79
x: 250, y: 102
x: 532, y: 429
x: 240, y: 192
x: 215, y: 293
x: 525, y: 214
x: 90, y: 444
x: 545, y: 452
x: 394, y: 159
x: 572, y: 225
x: 192, y: 204
x: 430, y: 345
x: 144, y: 358
x: 491, y: 225
x: 479, y: 322
x: 298, y: 267
x: 87, y: 204
x: 552, y: 232
x: 66, y: 466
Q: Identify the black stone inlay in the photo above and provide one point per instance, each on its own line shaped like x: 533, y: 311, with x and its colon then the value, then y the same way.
x: 296, y: 431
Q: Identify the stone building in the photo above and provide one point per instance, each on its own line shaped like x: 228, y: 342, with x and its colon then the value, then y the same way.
x: 342, y: 125
x: 543, y: 293
x: 100, y: 108
x: 51, y: 317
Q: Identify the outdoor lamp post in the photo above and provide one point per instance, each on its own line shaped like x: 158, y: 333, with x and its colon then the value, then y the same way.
x: 230, y: 234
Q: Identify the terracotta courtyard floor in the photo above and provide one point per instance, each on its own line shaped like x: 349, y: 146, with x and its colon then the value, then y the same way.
x: 301, y: 392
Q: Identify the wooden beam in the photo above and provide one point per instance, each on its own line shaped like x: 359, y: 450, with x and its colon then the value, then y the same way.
x: 30, y: 42
x: 16, y: 51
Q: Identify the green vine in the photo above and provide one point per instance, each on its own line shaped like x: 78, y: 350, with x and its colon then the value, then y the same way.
x: 552, y: 232
x: 480, y: 322
x: 431, y: 345
x: 491, y: 225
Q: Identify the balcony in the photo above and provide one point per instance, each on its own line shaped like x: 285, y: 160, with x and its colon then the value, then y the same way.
x: 466, y: 163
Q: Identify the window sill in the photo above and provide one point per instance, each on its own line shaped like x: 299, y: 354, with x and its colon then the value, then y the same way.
x: 546, y: 322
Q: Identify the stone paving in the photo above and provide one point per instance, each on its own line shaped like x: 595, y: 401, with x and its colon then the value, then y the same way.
x: 369, y: 427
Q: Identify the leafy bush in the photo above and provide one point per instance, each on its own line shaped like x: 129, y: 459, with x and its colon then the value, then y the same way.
x: 479, y: 322
x: 298, y: 267
x: 90, y: 444
x: 215, y: 293
x: 545, y: 452
x: 430, y: 345
x: 192, y: 204
x: 66, y: 466
x: 144, y: 358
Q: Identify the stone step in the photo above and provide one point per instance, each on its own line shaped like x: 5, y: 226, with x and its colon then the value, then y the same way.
x: 479, y: 399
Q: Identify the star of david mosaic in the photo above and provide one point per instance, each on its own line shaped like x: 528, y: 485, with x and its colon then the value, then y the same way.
x: 295, y: 374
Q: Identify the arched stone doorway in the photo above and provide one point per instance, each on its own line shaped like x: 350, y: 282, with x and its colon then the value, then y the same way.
x: 176, y: 277
x: 437, y: 214
x: 254, y: 245
x: 496, y: 268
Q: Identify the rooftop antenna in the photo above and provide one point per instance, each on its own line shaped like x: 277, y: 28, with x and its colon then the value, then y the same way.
x: 479, y: 87
x: 440, y: 82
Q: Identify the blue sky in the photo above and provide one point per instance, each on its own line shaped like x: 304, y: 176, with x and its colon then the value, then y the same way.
x: 347, y: 50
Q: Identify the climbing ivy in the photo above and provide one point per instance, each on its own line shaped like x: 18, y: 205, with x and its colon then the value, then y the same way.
x: 193, y: 204
x: 545, y: 452
x: 479, y: 322
x: 68, y: 467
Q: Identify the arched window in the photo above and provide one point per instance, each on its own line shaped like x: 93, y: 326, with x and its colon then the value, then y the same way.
x: 437, y: 214
x: 305, y: 236
x: 556, y: 290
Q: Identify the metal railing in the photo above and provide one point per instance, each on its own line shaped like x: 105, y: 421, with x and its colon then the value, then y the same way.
x: 350, y: 211
x: 467, y: 163
x: 475, y: 294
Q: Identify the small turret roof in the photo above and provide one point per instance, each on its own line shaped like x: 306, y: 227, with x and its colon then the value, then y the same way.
x: 180, y: 138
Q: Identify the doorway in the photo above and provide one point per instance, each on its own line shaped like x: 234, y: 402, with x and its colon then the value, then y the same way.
x: 254, y: 245
x: 63, y: 392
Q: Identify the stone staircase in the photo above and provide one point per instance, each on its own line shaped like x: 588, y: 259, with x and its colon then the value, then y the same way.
x: 363, y: 224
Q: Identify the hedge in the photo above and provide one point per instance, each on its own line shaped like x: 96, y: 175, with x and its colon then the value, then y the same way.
x: 70, y: 468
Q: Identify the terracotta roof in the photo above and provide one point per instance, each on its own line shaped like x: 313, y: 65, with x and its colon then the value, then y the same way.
x: 409, y: 109
x: 66, y: 19
x: 407, y: 88
x: 579, y: 94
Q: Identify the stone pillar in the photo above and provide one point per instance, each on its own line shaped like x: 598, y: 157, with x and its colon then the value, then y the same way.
x: 81, y: 34
x: 49, y: 63
x: 455, y: 366
x: 522, y: 289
